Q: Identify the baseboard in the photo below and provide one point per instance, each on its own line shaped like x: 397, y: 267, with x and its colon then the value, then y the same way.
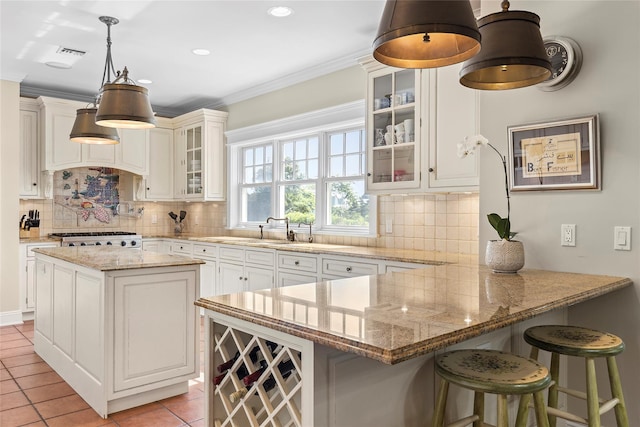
x: 11, y: 318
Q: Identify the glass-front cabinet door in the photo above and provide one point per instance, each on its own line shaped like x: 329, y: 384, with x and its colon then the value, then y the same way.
x: 194, y: 160
x: 393, y: 128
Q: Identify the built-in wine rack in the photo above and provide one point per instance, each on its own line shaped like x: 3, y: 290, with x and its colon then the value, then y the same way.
x: 256, y: 381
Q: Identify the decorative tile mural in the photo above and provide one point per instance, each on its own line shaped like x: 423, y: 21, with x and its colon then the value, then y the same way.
x: 89, y: 196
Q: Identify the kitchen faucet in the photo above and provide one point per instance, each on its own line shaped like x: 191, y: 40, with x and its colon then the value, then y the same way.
x: 309, y: 224
x: 290, y: 234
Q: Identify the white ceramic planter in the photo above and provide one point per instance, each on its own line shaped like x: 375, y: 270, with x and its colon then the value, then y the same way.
x: 504, y: 256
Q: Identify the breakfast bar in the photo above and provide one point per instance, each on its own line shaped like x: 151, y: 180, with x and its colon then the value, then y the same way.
x: 119, y: 325
x: 360, y: 351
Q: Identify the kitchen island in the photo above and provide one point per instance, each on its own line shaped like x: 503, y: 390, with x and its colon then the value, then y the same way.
x: 118, y: 324
x: 359, y: 351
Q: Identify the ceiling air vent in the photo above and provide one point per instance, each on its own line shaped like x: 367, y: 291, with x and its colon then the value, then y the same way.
x: 69, y: 51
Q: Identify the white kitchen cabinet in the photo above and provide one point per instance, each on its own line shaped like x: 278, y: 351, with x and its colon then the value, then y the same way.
x: 208, y: 271
x: 393, y: 104
x: 158, y: 184
x: 199, y: 156
x: 119, y: 338
x: 295, y: 269
x: 453, y: 114
x: 29, y: 175
x: 440, y: 111
x: 340, y: 267
x: 28, y: 274
x: 156, y: 245
x: 241, y: 269
x: 57, y: 117
x: 180, y: 247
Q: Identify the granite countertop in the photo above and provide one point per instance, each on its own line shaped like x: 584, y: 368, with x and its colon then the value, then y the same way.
x: 108, y: 259
x: 397, y: 316
x: 387, y: 254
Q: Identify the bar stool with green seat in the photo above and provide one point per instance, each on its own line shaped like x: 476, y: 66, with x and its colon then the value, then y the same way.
x: 494, y: 372
x: 588, y: 344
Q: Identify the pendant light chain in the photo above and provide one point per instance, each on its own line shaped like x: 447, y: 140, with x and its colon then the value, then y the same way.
x: 108, y: 65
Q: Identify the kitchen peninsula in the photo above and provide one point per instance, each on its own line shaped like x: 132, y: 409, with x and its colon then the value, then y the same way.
x: 359, y: 351
x: 118, y: 324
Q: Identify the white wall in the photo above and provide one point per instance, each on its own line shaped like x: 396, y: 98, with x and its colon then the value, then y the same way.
x: 609, y: 35
x: 9, y: 219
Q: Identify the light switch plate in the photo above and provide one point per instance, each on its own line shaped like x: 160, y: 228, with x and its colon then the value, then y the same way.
x: 622, y: 238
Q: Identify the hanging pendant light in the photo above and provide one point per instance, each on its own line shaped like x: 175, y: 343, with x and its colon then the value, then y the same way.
x: 512, y: 55
x: 86, y: 131
x: 123, y: 104
x: 426, y: 33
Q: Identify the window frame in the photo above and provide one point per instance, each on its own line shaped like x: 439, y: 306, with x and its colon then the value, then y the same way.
x: 297, y: 130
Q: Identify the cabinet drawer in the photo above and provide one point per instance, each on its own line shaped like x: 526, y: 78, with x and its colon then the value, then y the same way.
x: 182, y: 248
x: 29, y: 248
x: 345, y: 268
x: 298, y: 262
x: 231, y: 253
x: 205, y: 251
x: 260, y: 257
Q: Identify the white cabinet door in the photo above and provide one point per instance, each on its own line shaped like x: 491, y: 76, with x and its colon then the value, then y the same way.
x: 258, y: 278
x: 230, y: 278
x: 44, y: 303
x: 133, y: 151
x: 179, y: 164
x: 453, y: 115
x: 29, y: 174
x: 208, y: 273
x: 215, y: 164
x: 58, y: 120
x: 159, y: 181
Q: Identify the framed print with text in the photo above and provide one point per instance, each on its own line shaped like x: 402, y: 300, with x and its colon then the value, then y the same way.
x: 560, y: 155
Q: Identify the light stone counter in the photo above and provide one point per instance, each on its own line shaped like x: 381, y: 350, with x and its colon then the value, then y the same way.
x: 408, y: 314
x: 104, y: 258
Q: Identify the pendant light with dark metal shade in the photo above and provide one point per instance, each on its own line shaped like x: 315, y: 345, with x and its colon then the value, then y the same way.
x: 426, y: 33
x: 86, y: 131
x: 512, y: 55
x: 123, y: 104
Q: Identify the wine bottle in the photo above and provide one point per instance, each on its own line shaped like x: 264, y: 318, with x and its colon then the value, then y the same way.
x: 285, y: 368
x: 253, y: 355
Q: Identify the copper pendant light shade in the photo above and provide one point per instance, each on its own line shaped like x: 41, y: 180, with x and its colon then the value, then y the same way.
x: 512, y: 55
x: 426, y: 33
x: 124, y: 105
x: 86, y: 131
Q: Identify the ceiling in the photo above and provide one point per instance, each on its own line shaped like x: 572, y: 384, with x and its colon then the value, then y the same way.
x: 251, y: 52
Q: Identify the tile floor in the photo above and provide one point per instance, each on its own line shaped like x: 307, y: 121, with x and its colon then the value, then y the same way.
x: 32, y: 394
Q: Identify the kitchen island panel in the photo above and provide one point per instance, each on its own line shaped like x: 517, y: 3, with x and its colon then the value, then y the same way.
x: 89, y: 331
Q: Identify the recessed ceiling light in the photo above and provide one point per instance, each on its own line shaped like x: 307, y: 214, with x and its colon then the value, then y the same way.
x: 145, y: 81
x: 60, y: 65
x: 201, y: 52
x: 280, y: 11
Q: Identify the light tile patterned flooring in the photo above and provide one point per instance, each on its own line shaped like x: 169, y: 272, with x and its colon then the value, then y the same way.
x: 32, y: 394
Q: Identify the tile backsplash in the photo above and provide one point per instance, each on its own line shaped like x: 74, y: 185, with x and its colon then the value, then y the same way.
x: 440, y: 222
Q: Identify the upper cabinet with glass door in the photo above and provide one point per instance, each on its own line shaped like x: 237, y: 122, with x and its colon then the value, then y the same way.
x: 393, y: 129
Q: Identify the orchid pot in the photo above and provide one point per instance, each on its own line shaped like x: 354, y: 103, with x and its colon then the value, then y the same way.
x: 504, y: 256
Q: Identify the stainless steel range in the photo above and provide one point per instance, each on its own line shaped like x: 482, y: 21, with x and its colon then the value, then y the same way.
x: 124, y: 239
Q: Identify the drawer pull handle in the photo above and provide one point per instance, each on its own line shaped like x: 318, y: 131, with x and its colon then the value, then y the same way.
x: 240, y: 277
x: 348, y: 268
x: 297, y: 263
x: 246, y: 278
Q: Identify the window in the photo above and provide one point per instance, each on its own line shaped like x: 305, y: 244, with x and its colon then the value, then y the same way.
x: 309, y: 168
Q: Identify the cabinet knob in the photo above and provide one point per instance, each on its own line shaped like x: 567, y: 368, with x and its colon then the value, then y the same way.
x: 240, y: 277
x: 430, y: 169
x: 34, y: 184
x: 368, y: 173
x: 246, y: 279
x: 148, y: 188
x: 348, y: 268
x: 297, y: 263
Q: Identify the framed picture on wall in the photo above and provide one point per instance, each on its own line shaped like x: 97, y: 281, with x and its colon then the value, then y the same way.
x: 559, y: 155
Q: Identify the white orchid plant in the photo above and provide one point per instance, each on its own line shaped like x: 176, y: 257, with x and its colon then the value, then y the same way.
x: 469, y: 146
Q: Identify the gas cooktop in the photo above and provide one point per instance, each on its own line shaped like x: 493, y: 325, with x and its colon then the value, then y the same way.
x: 93, y: 233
